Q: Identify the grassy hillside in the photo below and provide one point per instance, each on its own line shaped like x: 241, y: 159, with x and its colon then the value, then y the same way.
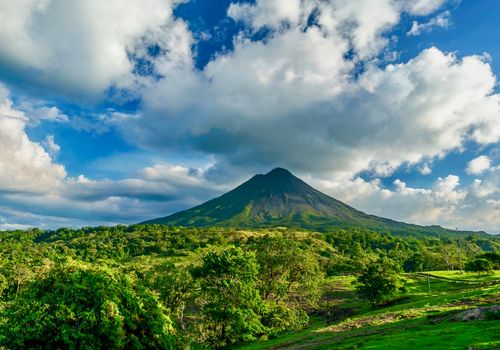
x: 418, y: 320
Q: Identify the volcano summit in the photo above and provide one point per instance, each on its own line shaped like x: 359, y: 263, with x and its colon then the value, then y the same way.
x: 279, y: 198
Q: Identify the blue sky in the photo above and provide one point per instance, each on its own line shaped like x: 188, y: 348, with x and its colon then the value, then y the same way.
x: 124, y: 111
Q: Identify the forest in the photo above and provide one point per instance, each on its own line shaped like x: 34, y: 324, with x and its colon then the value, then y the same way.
x: 161, y: 287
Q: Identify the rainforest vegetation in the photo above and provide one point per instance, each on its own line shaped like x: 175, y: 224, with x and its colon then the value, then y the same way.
x: 160, y: 287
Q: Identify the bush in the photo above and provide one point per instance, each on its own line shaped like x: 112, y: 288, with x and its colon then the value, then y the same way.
x: 380, y: 281
x: 76, y: 307
x: 493, y: 258
x: 480, y: 266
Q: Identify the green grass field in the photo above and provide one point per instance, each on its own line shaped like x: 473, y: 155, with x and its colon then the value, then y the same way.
x: 418, y: 320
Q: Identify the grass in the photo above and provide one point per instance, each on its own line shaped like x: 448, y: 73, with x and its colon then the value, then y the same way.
x: 418, y: 320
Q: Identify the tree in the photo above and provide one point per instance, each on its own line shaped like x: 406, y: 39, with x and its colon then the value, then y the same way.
x: 21, y: 274
x: 287, y: 272
x: 414, y: 263
x: 175, y: 287
x: 290, y: 280
x: 380, y: 281
x: 493, y: 258
x: 480, y: 266
x: 4, y: 284
x: 452, y: 256
x: 228, y: 297
x: 79, y: 307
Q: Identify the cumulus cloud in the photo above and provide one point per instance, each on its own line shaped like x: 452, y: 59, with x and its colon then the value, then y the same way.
x: 39, y: 112
x: 446, y: 202
x: 315, y: 95
x: 478, y: 165
x: 440, y: 21
x: 298, y: 97
x: 81, y: 48
x: 51, y: 146
x: 421, y: 7
x: 307, y: 114
x: 25, y: 166
x: 425, y: 169
x: 81, y: 201
x: 36, y: 191
x: 360, y: 22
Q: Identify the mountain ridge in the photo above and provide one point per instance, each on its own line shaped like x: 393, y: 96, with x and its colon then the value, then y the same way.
x: 279, y: 198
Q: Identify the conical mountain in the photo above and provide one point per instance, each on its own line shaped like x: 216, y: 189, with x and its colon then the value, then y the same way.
x: 279, y: 198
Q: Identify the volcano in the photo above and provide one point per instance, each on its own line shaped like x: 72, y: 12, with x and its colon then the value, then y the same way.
x: 279, y: 198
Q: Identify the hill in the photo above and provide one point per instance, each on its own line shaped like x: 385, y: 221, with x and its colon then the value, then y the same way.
x: 279, y: 198
x: 420, y: 320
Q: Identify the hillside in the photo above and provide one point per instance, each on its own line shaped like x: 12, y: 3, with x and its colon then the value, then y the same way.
x: 279, y: 198
x: 420, y: 320
x: 161, y: 287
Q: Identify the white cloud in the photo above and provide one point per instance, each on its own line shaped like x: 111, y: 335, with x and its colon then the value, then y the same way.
x: 421, y: 7
x: 25, y: 166
x: 36, y: 191
x: 39, y: 112
x: 478, y: 165
x: 361, y: 22
x: 425, y: 169
x: 296, y: 99
x: 446, y: 203
x: 81, y: 201
x: 268, y: 13
x: 51, y: 146
x: 290, y: 105
x: 440, y: 21
x: 80, y: 48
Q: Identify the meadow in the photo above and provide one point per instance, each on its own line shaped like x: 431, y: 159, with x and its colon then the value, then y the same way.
x: 417, y: 320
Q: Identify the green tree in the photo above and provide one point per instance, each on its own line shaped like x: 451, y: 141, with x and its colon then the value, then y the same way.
x: 480, y: 266
x: 287, y: 272
x: 21, y: 274
x: 493, y: 258
x: 4, y: 284
x: 290, y: 280
x: 228, y: 297
x: 175, y: 287
x: 415, y: 263
x: 380, y: 281
x: 79, y: 307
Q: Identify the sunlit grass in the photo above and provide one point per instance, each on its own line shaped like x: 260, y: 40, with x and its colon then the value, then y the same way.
x: 419, y: 320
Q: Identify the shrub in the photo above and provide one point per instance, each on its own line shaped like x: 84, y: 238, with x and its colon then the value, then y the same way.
x: 380, y: 281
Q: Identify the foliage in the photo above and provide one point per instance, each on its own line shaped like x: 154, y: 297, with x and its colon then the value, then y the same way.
x: 80, y: 307
x: 288, y: 273
x: 278, y: 317
x: 274, y: 280
x: 380, y: 281
x: 229, y: 301
x: 418, y: 321
x: 493, y: 258
x: 174, y: 286
x: 290, y: 281
x: 480, y: 266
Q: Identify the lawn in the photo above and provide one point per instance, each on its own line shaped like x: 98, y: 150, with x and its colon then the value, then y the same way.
x: 418, y: 320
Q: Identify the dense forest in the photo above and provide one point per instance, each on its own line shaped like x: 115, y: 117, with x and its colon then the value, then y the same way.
x: 154, y: 286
